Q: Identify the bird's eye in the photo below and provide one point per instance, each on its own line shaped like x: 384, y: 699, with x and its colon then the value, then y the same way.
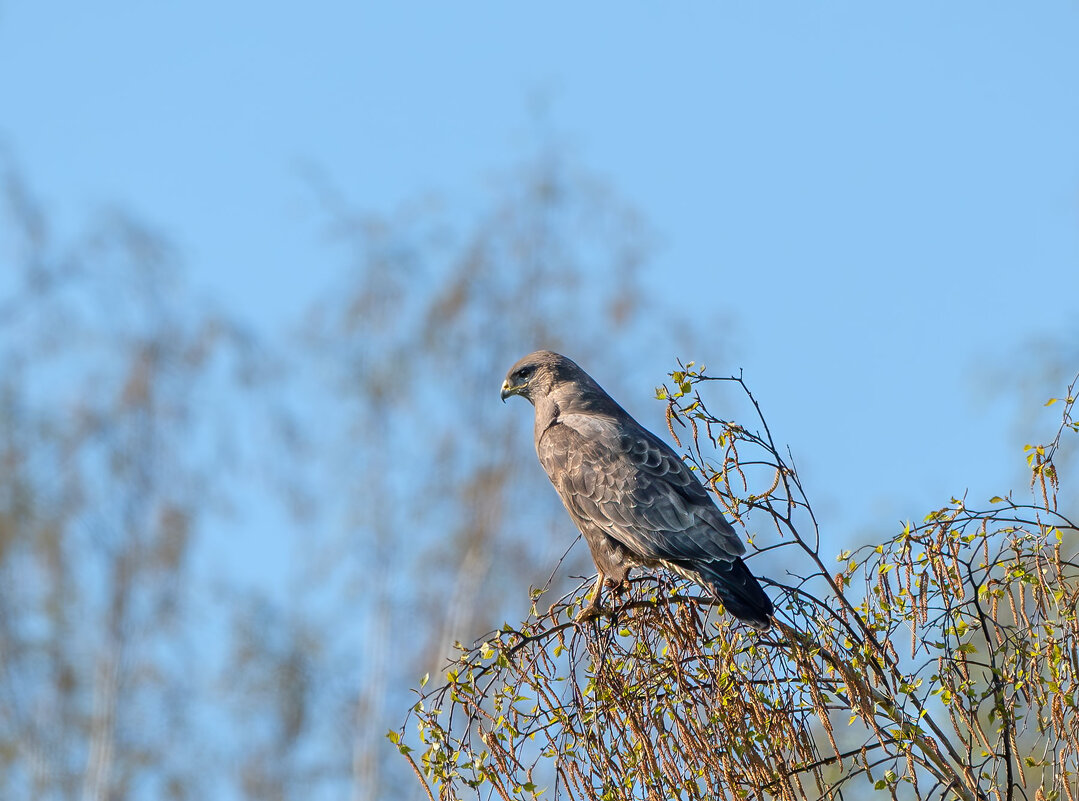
x: 525, y: 372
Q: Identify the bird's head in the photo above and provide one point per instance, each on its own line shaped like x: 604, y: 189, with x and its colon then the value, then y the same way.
x: 550, y: 380
x: 536, y: 374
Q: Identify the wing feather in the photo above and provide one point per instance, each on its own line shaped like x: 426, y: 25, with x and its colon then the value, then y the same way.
x: 617, y: 478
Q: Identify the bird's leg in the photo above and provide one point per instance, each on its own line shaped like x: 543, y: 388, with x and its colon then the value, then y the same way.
x: 592, y: 609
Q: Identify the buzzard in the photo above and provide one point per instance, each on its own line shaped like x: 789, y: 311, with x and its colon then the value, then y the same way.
x: 634, y: 500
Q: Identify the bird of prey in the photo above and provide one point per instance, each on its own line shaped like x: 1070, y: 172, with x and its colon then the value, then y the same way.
x: 634, y: 500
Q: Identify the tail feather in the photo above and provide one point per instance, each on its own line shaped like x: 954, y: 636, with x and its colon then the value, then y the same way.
x: 733, y: 584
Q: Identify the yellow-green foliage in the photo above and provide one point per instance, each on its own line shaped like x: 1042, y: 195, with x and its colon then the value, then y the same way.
x: 941, y: 663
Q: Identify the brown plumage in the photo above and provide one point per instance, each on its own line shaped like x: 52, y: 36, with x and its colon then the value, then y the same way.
x: 632, y: 497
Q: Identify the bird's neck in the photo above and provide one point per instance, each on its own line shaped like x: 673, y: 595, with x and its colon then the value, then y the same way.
x: 547, y: 412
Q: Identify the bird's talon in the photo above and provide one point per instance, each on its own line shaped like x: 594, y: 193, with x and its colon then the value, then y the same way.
x: 588, y: 613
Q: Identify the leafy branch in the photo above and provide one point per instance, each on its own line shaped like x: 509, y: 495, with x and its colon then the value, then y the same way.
x: 661, y: 697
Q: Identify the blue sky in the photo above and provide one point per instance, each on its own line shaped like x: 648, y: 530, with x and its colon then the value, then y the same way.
x: 861, y: 204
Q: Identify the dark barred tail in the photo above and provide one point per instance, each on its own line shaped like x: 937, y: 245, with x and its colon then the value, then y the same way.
x: 736, y: 587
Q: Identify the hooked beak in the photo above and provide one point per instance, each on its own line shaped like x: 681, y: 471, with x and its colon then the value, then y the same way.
x: 508, y: 389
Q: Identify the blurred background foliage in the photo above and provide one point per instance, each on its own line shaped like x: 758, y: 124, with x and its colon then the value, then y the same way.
x: 136, y: 416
